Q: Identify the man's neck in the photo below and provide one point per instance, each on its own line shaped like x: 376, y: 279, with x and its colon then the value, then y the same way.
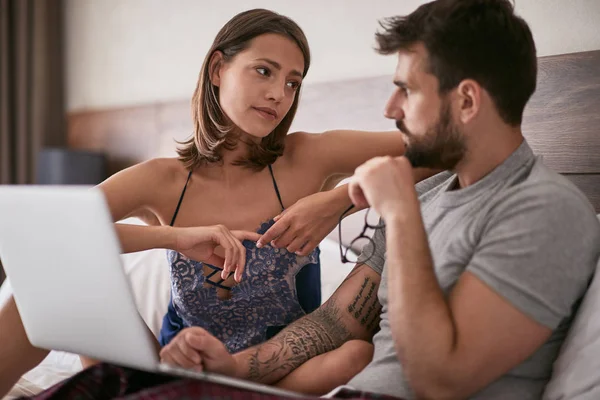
x: 486, y: 152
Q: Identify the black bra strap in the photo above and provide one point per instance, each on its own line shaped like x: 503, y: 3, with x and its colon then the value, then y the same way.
x: 275, y: 186
x: 180, y: 199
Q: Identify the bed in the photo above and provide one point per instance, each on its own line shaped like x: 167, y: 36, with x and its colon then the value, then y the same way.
x: 561, y: 123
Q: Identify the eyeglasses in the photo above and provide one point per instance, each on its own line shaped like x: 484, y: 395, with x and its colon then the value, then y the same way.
x: 361, y: 241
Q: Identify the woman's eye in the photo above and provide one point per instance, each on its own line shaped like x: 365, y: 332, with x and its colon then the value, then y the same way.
x: 263, y: 71
x: 293, y: 84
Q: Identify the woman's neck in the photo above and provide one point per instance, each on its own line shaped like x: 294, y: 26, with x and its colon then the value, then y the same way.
x: 226, y: 171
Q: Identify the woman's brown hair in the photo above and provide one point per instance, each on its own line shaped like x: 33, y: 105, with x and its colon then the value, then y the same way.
x: 211, y: 126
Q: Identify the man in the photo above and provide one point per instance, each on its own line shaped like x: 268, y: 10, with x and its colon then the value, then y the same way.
x: 478, y: 271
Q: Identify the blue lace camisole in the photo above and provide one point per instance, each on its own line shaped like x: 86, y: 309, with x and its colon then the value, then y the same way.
x: 277, y: 288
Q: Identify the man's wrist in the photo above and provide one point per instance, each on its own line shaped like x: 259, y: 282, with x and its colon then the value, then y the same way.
x: 400, y: 211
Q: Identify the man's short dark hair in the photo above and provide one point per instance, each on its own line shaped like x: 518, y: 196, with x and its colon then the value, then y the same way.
x: 481, y: 40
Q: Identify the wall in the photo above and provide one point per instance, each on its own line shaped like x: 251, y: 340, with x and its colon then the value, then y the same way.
x: 127, y: 52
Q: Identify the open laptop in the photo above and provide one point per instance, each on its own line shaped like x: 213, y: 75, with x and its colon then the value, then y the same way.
x: 59, y: 248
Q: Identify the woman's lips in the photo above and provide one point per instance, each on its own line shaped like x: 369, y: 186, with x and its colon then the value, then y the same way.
x: 266, y: 113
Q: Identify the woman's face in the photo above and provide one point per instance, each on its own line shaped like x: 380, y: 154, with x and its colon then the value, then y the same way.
x: 258, y: 86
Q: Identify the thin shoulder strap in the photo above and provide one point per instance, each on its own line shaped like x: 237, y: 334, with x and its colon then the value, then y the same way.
x: 276, y: 188
x: 180, y: 199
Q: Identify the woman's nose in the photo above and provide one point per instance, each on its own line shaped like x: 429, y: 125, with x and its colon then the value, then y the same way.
x: 276, y: 92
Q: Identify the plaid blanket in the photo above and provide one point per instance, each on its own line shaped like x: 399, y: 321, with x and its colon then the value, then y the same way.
x: 106, y: 381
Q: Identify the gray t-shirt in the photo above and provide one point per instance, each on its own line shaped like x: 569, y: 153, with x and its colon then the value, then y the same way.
x: 525, y: 231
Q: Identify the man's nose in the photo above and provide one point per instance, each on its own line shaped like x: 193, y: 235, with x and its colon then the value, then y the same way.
x: 393, y: 108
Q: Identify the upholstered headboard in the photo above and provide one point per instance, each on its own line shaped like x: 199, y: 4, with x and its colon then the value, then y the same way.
x: 562, y: 120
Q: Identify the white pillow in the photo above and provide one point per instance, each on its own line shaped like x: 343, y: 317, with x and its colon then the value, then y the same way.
x: 5, y: 292
x: 576, y: 372
x: 148, y: 273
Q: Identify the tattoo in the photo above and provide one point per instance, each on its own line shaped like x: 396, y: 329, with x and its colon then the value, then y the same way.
x: 352, y: 306
x: 369, y: 312
x: 371, y: 307
x: 373, y: 324
x: 318, y: 333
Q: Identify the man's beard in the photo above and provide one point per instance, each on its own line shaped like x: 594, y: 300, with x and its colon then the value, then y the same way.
x: 441, y: 147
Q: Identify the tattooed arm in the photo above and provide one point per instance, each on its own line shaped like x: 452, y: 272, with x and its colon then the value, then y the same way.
x: 352, y: 312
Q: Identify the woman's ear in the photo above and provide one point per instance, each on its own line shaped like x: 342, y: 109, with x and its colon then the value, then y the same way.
x: 214, y: 68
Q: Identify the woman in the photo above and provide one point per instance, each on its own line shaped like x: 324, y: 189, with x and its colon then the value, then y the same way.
x: 240, y: 169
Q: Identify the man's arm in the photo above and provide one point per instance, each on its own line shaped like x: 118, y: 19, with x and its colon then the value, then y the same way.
x: 527, y: 270
x: 450, y: 347
x: 352, y: 312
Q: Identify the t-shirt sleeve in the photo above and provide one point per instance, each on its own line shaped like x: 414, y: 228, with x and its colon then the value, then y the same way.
x: 373, y: 253
x: 538, y: 249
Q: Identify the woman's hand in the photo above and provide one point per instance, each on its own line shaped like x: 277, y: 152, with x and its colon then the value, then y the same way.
x: 194, y: 348
x: 305, y: 224
x: 199, y: 243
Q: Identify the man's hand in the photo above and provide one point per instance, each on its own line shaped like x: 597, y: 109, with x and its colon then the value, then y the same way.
x: 195, y: 348
x: 386, y: 184
x: 305, y: 224
x: 199, y: 243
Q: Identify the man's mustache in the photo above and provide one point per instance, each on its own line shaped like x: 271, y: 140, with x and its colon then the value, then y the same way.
x: 402, y: 128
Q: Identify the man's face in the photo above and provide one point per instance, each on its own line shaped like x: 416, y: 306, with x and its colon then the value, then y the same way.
x: 432, y: 138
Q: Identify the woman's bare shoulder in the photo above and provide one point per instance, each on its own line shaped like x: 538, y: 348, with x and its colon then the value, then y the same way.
x: 297, y: 146
x: 162, y: 169
x: 147, y: 178
x: 149, y: 186
x: 300, y: 163
x: 297, y: 139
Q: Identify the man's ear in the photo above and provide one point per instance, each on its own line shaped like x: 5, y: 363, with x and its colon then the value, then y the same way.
x: 469, y: 98
x: 214, y: 68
